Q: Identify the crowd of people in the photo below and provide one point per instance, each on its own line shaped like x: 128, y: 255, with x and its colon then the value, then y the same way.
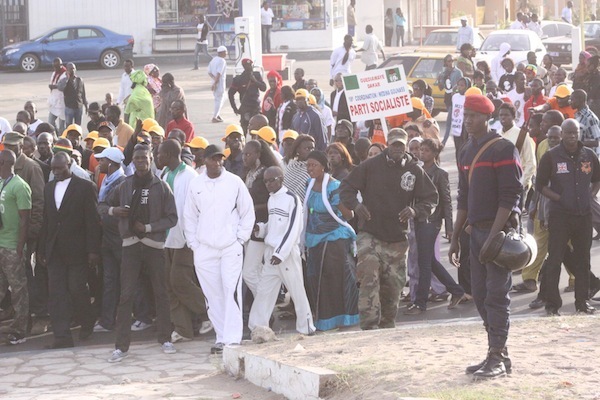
x: 191, y: 236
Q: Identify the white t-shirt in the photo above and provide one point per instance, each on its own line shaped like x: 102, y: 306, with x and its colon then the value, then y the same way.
x: 4, y: 127
x: 266, y: 16
x: 200, y: 27
x: 218, y: 65
x: 327, y: 116
x: 371, y: 46
x: 518, y: 100
x: 458, y: 113
x: 517, y: 25
x: 567, y: 15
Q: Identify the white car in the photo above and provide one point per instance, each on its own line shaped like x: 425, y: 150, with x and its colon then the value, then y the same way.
x: 521, y: 42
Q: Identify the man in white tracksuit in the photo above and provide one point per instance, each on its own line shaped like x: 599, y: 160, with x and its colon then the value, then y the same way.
x: 282, y: 256
x: 217, y: 70
x: 219, y: 217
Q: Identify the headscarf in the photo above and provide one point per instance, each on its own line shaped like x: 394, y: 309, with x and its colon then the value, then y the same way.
x: 139, y: 77
x: 276, y: 101
x: 496, y: 69
x: 321, y: 101
x: 148, y: 68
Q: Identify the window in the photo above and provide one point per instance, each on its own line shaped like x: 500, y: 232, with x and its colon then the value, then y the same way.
x: 60, y: 35
x: 428, y: 69
x: 293, y: 15
x: 406, y: 62
x: 441, y: 39
x: 183, y: 12
x: 517, y: 42
x: 88, y: 33
x: 564, y: 29
x: 338, y: 15
x: 550, y: 30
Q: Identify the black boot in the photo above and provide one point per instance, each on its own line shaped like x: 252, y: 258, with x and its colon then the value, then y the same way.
x: 493, y: 366
x: 506, y: 360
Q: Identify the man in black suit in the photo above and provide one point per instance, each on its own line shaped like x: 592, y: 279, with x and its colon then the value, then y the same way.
x: 339, y: 103
x: 70, y: 240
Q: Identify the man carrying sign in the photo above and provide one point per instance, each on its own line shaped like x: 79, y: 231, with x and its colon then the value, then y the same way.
x: 394, y: 189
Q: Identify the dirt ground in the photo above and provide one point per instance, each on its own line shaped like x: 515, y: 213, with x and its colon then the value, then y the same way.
x: 553, y: 358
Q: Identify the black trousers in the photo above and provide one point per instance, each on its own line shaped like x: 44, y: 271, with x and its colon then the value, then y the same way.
x: 563, y: 227
x: 68, y: 296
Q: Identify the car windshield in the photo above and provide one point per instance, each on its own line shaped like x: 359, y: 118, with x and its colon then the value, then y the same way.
x: 517, y: 42
x: 592, y: 30
x: 441, y: 39
x: 42, y: 35
x: 406, y: 62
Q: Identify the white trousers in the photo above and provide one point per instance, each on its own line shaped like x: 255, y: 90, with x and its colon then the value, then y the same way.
x: 289, y: 272
x: 253, y: 264
x: 219, y: 94
x: 220, y: 275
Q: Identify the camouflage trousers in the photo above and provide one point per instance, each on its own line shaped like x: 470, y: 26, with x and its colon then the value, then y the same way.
x: 12, y: 273
x: 381, y: 275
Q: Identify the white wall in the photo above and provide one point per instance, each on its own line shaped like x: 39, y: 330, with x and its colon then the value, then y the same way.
x: 129, y: 17
x: 370, y: 13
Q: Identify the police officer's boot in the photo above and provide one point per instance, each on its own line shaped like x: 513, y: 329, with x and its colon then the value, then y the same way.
x: 493, y: 366
x: 507, y: 363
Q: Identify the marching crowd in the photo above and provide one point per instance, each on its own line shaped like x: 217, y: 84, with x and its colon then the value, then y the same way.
x: 191, y: 236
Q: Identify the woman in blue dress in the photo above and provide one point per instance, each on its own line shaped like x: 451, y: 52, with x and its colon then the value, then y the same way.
x: 331, y: 267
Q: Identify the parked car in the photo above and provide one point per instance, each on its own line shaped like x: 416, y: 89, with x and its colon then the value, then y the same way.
x: 555, y: 28
x: 425, y: 66
x: 521, y: 42
x: 444, y: 41
x: 560, y: 47
x: 78, y: 44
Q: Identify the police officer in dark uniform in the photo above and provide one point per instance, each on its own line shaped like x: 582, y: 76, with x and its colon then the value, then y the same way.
x: 489, y: 190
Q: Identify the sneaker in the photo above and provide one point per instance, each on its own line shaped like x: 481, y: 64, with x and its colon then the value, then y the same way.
x: 176, y: 337
x: 16, y: 338
x: 455, y: 301
x: 117, y: 356
x: 168, y: 348
x: 217, y: 348
x: 100, y: 328
x: 413, y: 310
x: 140, y: 326
x: 205, y: 327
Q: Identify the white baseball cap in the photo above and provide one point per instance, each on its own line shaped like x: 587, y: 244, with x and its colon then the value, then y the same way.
x: 112, y: 153
x: 222, y: 49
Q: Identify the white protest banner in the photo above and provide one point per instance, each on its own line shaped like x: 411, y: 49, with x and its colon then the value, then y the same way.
x: 377, y: 93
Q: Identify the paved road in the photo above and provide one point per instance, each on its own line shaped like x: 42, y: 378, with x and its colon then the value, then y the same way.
x: 20, y: 87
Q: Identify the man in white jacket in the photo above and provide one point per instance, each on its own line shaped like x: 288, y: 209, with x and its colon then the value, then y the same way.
x: 282, y: 259
x: 218, y: 220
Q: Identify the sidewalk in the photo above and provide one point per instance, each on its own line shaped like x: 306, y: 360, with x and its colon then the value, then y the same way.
x: 148, y: 373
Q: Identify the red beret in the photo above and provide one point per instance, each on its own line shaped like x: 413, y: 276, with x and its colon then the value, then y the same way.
x: 479, y: 103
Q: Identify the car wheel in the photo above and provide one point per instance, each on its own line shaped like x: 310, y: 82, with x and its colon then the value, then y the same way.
x: 29, y: 62
x: 110, y: 59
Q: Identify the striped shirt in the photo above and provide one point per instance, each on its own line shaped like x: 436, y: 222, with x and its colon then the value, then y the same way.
x: 296, y: 178
x: 589, y: 126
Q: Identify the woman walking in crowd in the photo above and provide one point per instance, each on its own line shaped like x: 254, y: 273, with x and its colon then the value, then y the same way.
x: 424, y: 92
x: 272, y: 99
x: 139, y: 105
x: 331, y: 268
x: 325, y: 110
x: 375, y: 149
x: 464, y: 61
x: 296, y: 175
x: 154, y: 84
x: 340, y: 160
x: 581, y: 73
x: 484, y: 67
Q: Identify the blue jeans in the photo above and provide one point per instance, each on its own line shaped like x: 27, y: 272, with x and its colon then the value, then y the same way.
x: 73, y: 115
x: 200, y: 48
x: 490, y: 285
x: 266, y: 38
x: 52, y: 121
x: 448, y: 124
x: 426, y: 235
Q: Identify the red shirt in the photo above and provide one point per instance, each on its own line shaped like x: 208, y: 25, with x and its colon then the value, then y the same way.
x: 186, y: 126
x: 533, y: 102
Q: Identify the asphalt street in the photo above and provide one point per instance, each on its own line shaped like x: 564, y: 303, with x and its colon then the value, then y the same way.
x: 17, y: 88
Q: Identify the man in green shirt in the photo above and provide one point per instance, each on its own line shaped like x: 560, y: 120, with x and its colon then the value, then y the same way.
x: 15, y: 208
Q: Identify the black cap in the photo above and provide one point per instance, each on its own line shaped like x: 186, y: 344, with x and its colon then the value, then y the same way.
x: 94, y: 107
x: 213, y: 150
